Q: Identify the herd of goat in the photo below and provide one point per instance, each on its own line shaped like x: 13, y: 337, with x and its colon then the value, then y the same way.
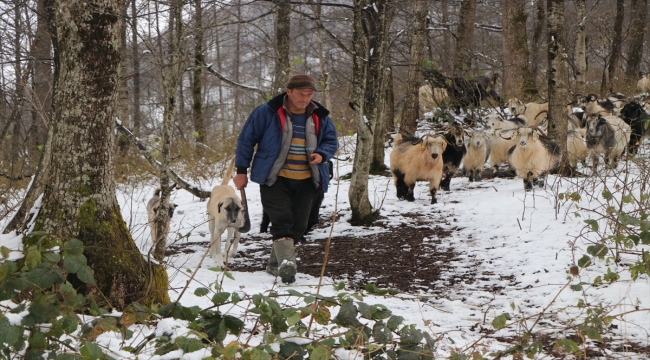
x: 603, y: 128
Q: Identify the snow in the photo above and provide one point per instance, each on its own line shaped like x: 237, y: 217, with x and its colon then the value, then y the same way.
x: 521, y: 245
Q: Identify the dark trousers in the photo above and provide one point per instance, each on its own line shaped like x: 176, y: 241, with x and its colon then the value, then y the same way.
x: 288, y: 203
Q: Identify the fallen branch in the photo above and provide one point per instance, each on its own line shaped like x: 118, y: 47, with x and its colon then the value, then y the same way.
x: 181, y: 183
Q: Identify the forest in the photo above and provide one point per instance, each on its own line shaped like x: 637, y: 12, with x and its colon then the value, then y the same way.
x: 104, y: 101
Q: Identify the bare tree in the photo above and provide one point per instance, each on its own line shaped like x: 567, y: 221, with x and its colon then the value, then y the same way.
x: 581, y: 49
x: 608, y: 81
x: 135, y: 53
x: 463, y: 56
x: 282, y: 40
x: 79, y: 200
x: 536, y: 43
x: 637, y: 32
x: 197, y: 81
x: 411, y: 110
x: 43, y: 77
x: 557, y: 78
x: 517, y: 78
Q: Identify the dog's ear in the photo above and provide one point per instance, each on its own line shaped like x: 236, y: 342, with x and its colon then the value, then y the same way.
x: 219, y: 207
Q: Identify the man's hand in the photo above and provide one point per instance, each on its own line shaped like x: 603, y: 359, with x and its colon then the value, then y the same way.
x: 240, y: 180
x: 316, y: 159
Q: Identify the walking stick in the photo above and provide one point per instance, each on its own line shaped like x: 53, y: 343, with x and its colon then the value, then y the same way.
x: 246, y: 227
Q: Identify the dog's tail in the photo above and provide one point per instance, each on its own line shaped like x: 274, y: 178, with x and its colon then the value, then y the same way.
x: 228, y: 174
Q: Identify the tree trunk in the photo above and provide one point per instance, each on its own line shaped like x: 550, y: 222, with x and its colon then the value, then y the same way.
x: 463, y: 56
x: 282, y: 39
x: 517, y: 79
x: 581, y: 49
x: 411, y: 110
x: 617, y: 41
x: 358, y: 194
x: 79, y: 200
x: 122, y: 87
x: 538, y: 33
x: 557, y: 79
x: 446, y: 65
x: 635, y: 45
x: 388, y: 111
x: 197, y: 83
x: 172, y: 74
x: 321, y: 56
x: 135, y: 113
x: 43, y: 77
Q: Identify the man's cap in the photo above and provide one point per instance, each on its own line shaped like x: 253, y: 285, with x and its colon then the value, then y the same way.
x: 301, y: 81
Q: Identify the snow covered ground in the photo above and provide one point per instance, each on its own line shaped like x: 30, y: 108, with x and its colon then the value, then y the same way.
x: 523, y: 245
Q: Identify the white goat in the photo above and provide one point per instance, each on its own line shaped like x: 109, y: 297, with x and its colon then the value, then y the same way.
x: 478, y: 150
x: 534, y: 156
x: 576, y: 146
x: 530, y: 110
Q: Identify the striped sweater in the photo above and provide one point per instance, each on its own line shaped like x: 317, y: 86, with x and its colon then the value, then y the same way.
x: 296, y: 166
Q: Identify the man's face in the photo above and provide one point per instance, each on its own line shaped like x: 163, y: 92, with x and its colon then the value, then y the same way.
x: 300, y: 98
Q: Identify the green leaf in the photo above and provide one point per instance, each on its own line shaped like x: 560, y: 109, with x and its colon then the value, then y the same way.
x: 235, y: 298
x: 576, y: 287
x: 33, y: 257
x: 9, y: 334
x: 294, y: 319
x: 37, y: 340
x: 394, y: 322
x: 380, y: 312
x: 53, y: 257
x: 339, y: 286
x: 382, y: 333
x: 74, y: 247
x: 44, y: 277
x: 187, y: 344
x: 499, y: 322
x: 233, y: 324
x: 3, y: 271
x: 220, y: 297
x: 85, y: 274
x: 592, y: 223
x: 228, y: 275
x: 411, y: 336
x: 568, y: 345
x: 295, y: 293
x: 73, y: 263
x: 364, y: 310
x: 607, y: 195
x: 320, y: 353
x: 91, y: 351
x: 645, y: 237
x: 201, y: 291
x: 371, y: 288
x: 4, y: 251
x: 598, y: 250
x: 584, y: 261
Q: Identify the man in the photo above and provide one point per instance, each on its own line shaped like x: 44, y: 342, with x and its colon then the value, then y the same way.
x: 295, y: 138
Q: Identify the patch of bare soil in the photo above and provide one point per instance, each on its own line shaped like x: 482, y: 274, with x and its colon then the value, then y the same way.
x: 409, y: 258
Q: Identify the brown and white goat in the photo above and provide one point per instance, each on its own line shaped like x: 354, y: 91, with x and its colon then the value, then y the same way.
x: 643, y: 84
x: 534, y: 156
x: 417, y: 159
x: 609, y: 136
x: 531, y: 111
x: 478, y: 150
x: 430, y: 99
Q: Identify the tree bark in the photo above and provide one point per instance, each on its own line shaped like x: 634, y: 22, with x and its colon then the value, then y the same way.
x: 122, y: 87
x: 411, y: 110
x: 321, y: 56
x: 135, y: 113
x: 617, y: 41
x: 463, y: 56
x: 635, y: 45
x: 43, y: 77
x: 538, y: 32
x: 517, y: 79
x: 79, y: 200
x: 388, y: 111
x: 282, y: 38
x: 557, y: 79
x: 358, y: 194
x: 581, y: 49
x: 197, y: 83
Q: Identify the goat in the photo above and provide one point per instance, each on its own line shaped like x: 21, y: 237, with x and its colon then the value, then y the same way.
x: 576, y: 146
x: 430, y: 99
x: 534, y: 156
x: 153, y: 208
x: 530, y: 110
x: 463, y: 93
x: 497, y: 122
x: 643, y: 84
x: 414, y: 159
x: 453, y: 155
x: 499, y: 148
x: 619, y: 100
x: 607, y: 135
x: 593, y: 107
x: 639, y: 121
x: 478, y: 150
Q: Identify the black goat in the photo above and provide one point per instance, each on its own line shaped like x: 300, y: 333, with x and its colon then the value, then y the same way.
x: 453, y: 155
x: 639, y: 120
x: 464, y: 93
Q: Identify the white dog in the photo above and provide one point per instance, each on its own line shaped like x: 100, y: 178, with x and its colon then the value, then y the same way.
x: 225, y: 212
x: 153, y: 206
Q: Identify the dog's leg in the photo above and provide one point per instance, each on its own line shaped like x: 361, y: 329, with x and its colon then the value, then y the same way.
x: 234, y: 243
x: 221, y: 227
x: 211, y: 222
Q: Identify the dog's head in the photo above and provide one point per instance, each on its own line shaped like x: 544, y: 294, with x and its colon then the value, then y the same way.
x: 231, y: 208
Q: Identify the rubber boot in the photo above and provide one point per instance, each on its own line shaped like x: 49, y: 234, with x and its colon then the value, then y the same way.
x: 272, y: 267
x: 285, y: 253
